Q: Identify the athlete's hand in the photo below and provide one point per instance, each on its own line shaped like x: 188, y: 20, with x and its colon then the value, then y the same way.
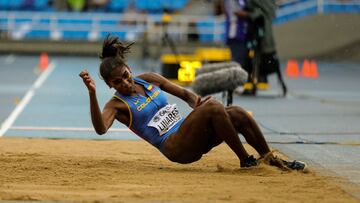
x: 202, y: 100
x: 89, y: 82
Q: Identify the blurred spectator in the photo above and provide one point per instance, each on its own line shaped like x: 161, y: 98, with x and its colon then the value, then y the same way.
x: 27, y: 4
x: 97, y: 4
x: 60, y: 5
x: 218, y: 7
x: 235, y: 30
x: 76, y: 5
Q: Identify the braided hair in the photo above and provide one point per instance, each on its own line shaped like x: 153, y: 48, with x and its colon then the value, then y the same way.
x: 112, y: 56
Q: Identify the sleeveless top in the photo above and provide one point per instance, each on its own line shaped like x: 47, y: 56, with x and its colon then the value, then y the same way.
x: 148, y: 114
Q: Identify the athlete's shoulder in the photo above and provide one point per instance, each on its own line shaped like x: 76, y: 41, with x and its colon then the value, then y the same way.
x: 116, y: 102
x: 151, y: 77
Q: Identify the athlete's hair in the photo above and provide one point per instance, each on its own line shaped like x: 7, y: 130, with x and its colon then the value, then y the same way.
x: 112, y: 56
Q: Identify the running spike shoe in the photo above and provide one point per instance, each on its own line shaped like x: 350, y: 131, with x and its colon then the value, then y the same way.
x: 250, y: 161
x: 295, y: 165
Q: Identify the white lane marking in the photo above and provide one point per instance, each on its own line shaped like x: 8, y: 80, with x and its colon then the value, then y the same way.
x: 37, y: 128
x: 26, y: 99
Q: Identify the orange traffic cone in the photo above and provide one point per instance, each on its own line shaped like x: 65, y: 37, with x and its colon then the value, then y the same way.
x: 292, y: 69
x: 43, y: 61
x: 306, y: 69
x: 314, y: 69
x: 309, y: 69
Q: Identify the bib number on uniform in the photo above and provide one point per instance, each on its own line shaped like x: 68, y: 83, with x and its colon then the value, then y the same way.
x: 165, y: 118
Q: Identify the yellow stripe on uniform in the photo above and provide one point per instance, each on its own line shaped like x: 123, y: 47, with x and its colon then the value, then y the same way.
x: 130, y: 123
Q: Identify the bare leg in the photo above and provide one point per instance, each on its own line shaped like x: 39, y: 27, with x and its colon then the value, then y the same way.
x: 192, y: 138
x: 247, y: 126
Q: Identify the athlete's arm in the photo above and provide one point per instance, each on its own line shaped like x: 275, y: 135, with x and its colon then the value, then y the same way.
x: 191, y: 98
x: 100, y: 120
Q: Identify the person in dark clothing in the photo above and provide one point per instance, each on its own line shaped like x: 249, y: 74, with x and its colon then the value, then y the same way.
x: 260, y: 40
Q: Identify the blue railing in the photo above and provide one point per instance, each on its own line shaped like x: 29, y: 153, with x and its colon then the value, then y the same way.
x: 295, y: 9
x: 152, y: 6
x: 95, y: 26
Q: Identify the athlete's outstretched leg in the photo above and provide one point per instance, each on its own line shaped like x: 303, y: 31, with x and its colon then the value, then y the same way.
x: 247, y: 126
x: 225, y: 130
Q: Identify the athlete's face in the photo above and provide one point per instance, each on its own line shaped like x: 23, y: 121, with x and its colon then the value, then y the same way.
x: 121, y: 80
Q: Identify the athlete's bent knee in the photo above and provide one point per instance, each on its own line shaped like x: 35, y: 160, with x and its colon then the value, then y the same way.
x: 214, y: 107
x: 213, y: 101
x: 238, y: 115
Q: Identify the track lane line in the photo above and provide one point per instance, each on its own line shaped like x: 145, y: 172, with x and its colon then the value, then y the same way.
x: 26, y: 99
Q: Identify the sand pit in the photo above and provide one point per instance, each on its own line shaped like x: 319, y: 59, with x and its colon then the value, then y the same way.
x: 134, y: 171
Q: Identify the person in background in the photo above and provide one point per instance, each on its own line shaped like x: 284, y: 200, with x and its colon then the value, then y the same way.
x: 261, y: 38
x: 235, y: 30
x: 60, y: 5
x: 97, y: 5
x: 76, y: 5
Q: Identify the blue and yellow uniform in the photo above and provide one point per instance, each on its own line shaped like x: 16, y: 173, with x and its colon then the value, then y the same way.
x: 143, y: 108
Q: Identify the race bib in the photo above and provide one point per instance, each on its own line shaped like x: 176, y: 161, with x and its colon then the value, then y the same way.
x: 165, y: 118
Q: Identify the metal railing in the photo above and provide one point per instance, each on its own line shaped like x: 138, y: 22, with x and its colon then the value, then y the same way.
x: 134, y: 26
x: 59, y: 25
